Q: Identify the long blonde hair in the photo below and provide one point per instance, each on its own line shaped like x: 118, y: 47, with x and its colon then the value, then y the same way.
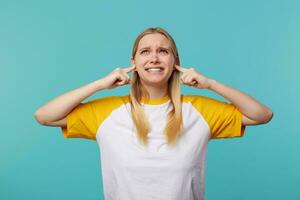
x: 174, y: 124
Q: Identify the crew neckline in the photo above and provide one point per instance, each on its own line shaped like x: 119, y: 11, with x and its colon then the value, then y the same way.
x: 155, y: 101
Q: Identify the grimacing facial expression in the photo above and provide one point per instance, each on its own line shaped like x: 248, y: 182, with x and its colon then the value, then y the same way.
x: 154, y: 60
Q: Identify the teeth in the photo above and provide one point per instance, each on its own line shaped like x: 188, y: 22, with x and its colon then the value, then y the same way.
x: 154, y: 70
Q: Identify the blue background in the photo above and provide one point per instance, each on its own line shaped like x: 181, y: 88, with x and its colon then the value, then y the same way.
x: 48, y: 48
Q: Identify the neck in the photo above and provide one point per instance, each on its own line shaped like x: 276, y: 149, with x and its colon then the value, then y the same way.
x: 157, y: 92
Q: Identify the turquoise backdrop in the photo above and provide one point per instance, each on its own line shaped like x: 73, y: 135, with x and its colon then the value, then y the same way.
x: 48, y: 48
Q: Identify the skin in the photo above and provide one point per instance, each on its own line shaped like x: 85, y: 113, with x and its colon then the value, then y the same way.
x: 54, y: 113
x: 154, y: 50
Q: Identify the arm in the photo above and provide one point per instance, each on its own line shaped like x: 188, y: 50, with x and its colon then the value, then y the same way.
x: 253, y: 111
x: 54, y: 112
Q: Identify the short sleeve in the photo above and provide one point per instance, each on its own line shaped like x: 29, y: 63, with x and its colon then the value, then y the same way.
x: 81, y: 122
x: 84, y: 120
x: 224, y: 119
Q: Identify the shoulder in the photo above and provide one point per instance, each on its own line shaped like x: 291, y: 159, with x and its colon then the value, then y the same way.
x: 198, y: 99
x: 102, y: 104
x: 206, y: 104
x: 110, y: 100
x: 101, y: 108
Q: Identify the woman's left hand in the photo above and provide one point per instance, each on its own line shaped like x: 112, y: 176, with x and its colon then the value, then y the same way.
x: 193, y: 78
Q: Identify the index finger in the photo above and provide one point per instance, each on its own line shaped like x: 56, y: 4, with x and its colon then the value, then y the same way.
x: 129, y: 69
x: 181, y: 69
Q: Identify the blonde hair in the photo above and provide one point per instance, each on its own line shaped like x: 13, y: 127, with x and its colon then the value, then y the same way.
x: 174, y: 124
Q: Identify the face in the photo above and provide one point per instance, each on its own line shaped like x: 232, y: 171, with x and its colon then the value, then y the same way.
x: 154, y: 60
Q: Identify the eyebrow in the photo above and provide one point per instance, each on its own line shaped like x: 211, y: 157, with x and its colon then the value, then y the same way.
x: 167, y: 48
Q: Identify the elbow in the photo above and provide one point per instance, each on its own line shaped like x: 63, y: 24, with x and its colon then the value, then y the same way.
x: 268, y: 116
x: 38, y: 117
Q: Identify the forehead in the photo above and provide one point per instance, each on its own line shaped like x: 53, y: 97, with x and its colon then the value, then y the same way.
x: 154, y: 39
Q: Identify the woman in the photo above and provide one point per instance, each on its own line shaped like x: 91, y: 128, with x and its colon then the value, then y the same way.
x: 153, y: 141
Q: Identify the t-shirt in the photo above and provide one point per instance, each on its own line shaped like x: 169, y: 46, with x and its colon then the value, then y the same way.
x: 132, y: 171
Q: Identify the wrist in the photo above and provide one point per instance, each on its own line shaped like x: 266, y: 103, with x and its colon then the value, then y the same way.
x: 99, y: 84
x: 211, y: 84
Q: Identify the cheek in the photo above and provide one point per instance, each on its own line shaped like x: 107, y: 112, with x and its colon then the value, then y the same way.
x: 170, y: 61
x: 139, y: 61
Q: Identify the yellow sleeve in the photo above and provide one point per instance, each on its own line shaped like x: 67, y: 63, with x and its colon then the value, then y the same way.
x: 83, y: 121
x: 224, y: 119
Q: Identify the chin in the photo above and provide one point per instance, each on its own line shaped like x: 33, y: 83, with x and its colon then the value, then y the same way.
x: 155, y: 82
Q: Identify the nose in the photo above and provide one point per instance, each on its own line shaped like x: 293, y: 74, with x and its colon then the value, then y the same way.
x: 154, y: 58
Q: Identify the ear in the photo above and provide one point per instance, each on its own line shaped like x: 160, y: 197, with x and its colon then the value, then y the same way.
x: 132, y: 61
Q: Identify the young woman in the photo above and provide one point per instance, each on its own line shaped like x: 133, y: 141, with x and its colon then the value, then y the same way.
x: 153, y: 141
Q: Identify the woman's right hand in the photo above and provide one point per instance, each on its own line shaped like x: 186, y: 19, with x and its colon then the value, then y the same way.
x: 54, y: 112
x: 117, y: 78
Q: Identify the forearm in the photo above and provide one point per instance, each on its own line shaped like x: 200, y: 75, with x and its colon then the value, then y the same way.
x: 248, y: 106
x: 59, y: 107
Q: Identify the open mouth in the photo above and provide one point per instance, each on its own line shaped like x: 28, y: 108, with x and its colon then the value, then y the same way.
x: 156, y: 69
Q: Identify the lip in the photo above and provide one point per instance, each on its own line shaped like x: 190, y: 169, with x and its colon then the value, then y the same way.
x: 154, y: 67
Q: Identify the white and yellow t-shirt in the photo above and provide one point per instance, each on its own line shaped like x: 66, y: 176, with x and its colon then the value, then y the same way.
x: 132, y: 171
